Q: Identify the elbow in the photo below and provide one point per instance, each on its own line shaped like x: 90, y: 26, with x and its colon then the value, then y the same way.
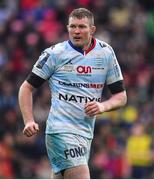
x: 124, y: 98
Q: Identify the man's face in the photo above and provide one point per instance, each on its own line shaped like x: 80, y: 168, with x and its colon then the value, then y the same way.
x: 80, y: 31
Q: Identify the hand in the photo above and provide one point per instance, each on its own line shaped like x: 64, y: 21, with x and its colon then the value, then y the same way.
x: 93, y: 108
x: 30, y: 129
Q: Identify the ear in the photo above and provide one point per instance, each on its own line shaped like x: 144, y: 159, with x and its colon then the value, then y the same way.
x: 93, y: 29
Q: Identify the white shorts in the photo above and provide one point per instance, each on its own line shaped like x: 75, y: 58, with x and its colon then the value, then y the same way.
x: 67, y: 150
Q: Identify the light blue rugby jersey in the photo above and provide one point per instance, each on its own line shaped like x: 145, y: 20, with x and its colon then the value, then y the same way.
x: 76, y: 77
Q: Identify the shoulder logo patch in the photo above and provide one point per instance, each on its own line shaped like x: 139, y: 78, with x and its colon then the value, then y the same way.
x: 42, y: 60
x: 102, y: 45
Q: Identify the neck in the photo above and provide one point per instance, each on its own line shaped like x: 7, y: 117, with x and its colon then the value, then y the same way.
x: 88, y: 45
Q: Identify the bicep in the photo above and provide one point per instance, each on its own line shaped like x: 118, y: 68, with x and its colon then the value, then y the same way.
x: 34, y: 80
x: 26, y: 86
x: 114, y: 73
x: 116, y: 87
x: 120, y: 97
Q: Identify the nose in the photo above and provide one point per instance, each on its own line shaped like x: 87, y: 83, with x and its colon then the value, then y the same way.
x: 77, y: 30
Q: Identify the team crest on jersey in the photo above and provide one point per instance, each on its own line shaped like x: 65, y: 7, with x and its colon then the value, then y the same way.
x: 67, y: 68
x: 42, y: 60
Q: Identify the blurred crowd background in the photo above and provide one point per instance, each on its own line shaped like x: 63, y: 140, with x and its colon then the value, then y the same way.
x: 123, y: 146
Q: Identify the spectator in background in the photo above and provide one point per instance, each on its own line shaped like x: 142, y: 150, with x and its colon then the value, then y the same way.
x: 8, y: 98
x: 6, y: 156
x: 139, y: 152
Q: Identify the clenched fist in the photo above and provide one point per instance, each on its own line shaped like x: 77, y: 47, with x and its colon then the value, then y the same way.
x: 93, y: 108
x: 30, y: 129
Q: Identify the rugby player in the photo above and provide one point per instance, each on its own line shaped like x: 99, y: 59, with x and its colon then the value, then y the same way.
x: 76, y: 70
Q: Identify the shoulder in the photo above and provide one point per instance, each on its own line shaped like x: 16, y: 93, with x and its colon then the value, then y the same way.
x: 105, y: 48
x: 57, y: 53
x: 57, y: 49
x: 104, y: 45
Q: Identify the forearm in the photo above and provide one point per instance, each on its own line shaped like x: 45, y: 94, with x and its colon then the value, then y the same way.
x: 26, y: 102
x: 116, y: 101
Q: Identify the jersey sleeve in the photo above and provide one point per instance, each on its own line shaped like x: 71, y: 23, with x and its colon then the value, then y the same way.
x: 114, y: 71
x: 44, y: 66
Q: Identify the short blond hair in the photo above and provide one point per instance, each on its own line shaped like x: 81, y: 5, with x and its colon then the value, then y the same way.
x: 82, y: 13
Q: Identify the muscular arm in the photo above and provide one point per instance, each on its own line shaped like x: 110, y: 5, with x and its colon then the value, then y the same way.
x: 25, y: 101
x: 114, y: 102
x: 26, y: 106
